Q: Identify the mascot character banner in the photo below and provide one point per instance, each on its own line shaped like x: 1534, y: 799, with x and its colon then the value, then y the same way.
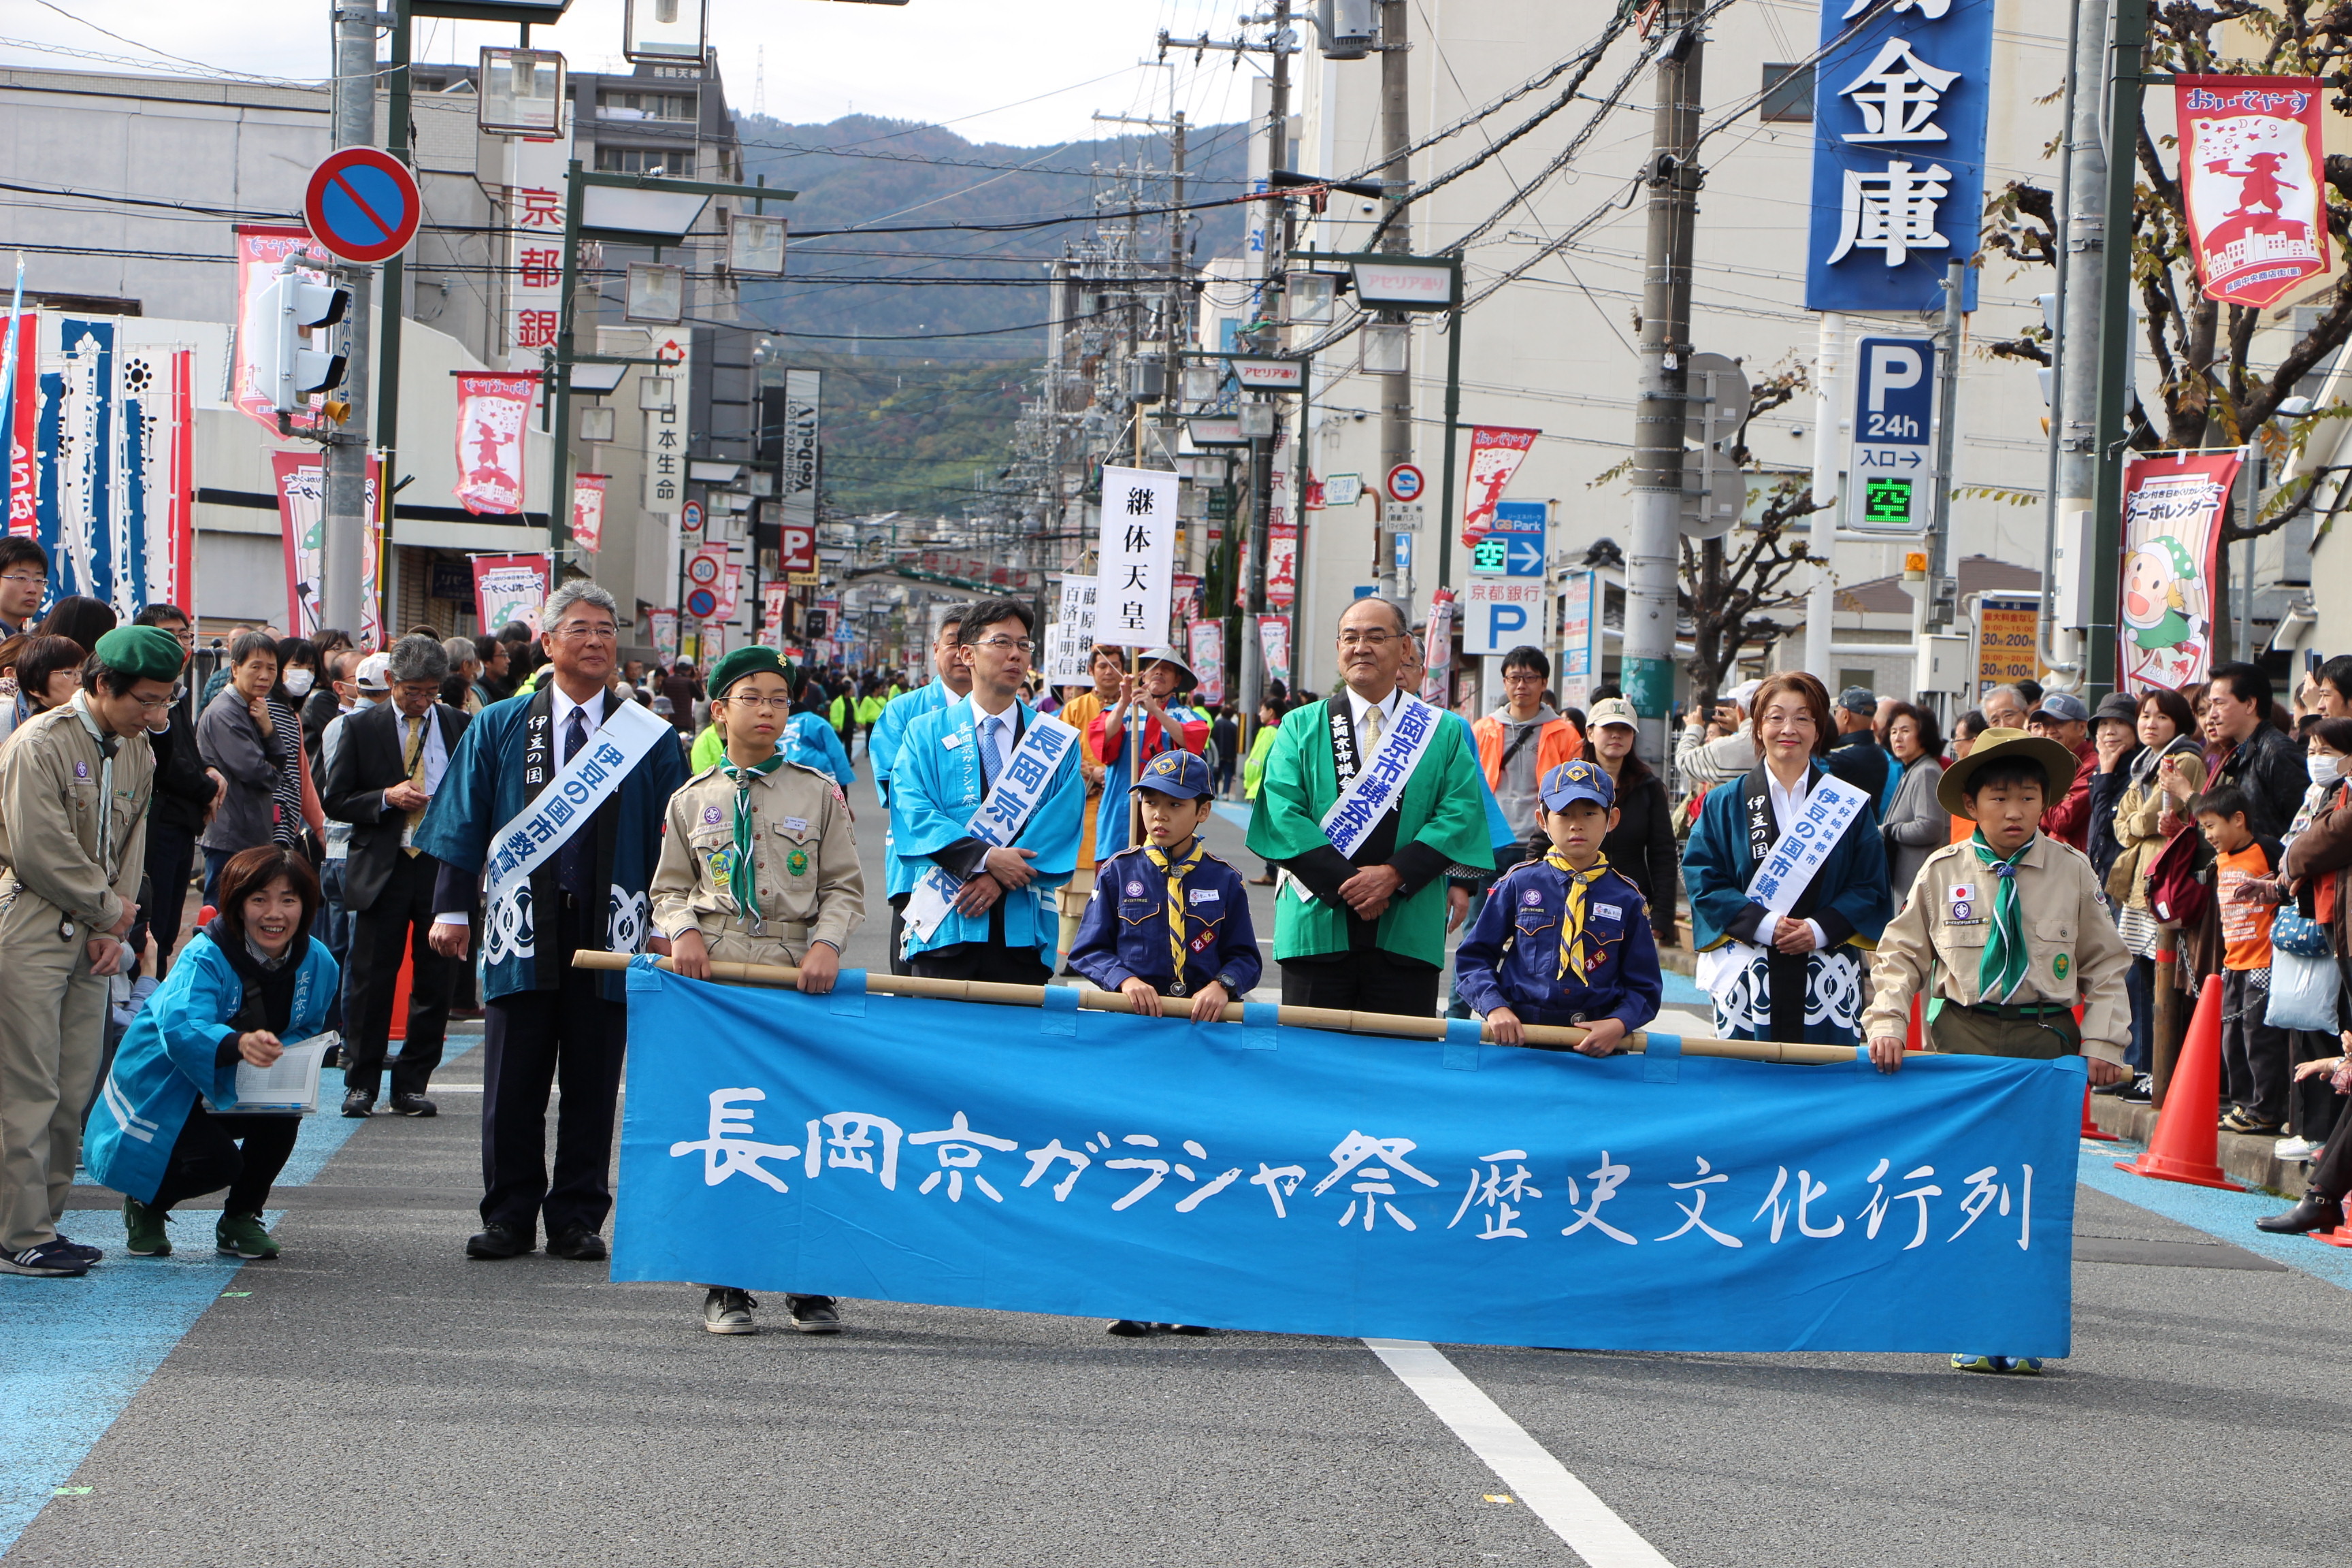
x: 1253, y: 1176
x: 2173, y: 506
x: 2250, y: 157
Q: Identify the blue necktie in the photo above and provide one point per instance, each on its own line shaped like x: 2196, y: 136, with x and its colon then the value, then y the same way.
x: 575, y: 862
x: 989, y: 759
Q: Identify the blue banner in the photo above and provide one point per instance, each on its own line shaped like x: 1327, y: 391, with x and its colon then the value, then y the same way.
x: 1899, y: 106
x: 1296, y: 1181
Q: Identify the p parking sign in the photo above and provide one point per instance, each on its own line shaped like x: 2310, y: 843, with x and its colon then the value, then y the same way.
x: 1889, y: 473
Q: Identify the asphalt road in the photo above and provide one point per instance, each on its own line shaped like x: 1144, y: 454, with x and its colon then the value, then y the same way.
x: 373, y: 1398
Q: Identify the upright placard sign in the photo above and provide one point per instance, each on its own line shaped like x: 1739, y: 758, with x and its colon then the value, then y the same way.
x: 1899, y: 102
x: 1579, y: 637
x: 1136, y: 557
x: 1894, y: 409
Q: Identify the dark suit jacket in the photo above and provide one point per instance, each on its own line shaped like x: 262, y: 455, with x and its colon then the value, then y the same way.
x: 368, y: 762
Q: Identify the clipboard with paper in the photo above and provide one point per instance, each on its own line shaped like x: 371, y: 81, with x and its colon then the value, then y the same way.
x: 288, y: 1087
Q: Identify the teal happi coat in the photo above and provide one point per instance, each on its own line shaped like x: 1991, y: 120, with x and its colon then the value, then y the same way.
x: 882, y: 744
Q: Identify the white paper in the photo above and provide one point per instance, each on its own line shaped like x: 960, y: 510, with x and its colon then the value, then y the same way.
x: 289, y: 1086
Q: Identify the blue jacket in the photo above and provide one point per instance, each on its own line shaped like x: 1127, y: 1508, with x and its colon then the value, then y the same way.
x: 882, y: 744
x: 1125, y: 931
x: 171, y: 1054
x: 814, y: 743
x: 1511, y: 957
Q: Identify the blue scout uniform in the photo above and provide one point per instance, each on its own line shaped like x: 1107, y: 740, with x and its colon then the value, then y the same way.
x: 1558, y: 946
x: 1127, y: 932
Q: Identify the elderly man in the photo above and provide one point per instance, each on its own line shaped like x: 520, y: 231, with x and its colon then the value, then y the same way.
x: 75, y: 784
x: 2060, y: 716
x: 1855, y: 756
x: 1704, y: 762
x: 950, y: 684
x: 1359, y: 922
x: 560, y: 797
x: 465, y: 669
x: 2005, y: 708
x: 388, y: 765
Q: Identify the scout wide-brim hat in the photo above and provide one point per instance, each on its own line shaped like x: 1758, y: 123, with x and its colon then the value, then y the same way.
x: 2057, y: 760
x: 1185, y: 678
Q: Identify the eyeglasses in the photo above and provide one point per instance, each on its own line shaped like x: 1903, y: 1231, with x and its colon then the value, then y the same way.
x: 1017, y: 644
x: 25, y: 580
x: 154, y: 704
x: 1375, y: 640
x: 586, y: 631
x: 1521, y: 677
x: 763, y: 704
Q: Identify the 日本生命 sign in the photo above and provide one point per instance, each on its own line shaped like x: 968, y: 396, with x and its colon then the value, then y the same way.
x: 1889, y: 476
x: 1899, y: 104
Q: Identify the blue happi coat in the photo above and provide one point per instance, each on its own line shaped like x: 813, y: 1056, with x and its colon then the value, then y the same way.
x: 935, y: 793
x: 484, y: 788
x: 882, y: 744
x: 171, y: 1054
x: 814, y: 743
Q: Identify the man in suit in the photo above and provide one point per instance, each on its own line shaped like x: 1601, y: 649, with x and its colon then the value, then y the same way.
x: 388, y: 761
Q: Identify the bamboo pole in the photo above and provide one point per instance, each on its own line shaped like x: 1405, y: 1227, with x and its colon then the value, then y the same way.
x: 1094, y: 999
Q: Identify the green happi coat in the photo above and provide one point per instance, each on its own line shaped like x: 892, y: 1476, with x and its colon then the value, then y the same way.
x: 1441, y: 821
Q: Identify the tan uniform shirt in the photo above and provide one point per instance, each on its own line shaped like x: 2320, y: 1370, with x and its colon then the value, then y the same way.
x: 805, y: 860
x: 2074, y: 952
x: 59, y: 840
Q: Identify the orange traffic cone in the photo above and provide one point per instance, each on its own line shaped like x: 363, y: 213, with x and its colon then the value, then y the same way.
x: 2340, y: 1236
x: 2090, y: 1128
x: 2187, y: 1129
x: 400, y: 984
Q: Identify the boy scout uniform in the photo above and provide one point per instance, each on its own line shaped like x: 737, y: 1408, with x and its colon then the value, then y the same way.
x: 1936, y: 944
x: 73, y: 837
x: 804, y: 866
x: 1125, y: 932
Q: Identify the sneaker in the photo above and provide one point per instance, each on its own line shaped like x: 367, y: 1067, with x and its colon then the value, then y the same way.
x: 1127, y: 1329
x: 58, y: 1260
x: 2142, y: 1091
x: 2025, y: 1365
x: 88, y: 1253
x: 145, y: 1227
x: 2247, y: 1124
x: 813, y: 1314
x: 241, y: 1236
x: 727, y: 1311
x: 1963, y: 1363
x: 2294, y: 1150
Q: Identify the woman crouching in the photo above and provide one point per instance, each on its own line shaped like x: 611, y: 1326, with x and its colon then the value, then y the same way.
x: 251, y: 980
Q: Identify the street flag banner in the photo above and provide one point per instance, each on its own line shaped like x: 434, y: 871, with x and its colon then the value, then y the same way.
x: 510, y: 588
x: 1495, y: 453
x: 1208, y: 657
x: 2250, y: 157
x: 1299, y: 1181
x: 662, y: 625
x: 1281, y: 564
x: 1136, y: 557
x: 588, y: 512
x: 1900, y: 96
x: 301, y: 478
x: 20, y: 411
x: 772, y: 613
x: 1437, y: 650
x: 260, y: 252
x: 1273, y: 642
x: 492, y: 407
x: 2174, y: 504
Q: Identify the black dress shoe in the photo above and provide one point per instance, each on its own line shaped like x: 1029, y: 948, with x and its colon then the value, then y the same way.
x: 359, y: 1102
x: 414, y: 1105
x: 580, y: 1243
x: 496, y: 1240
x: 2314, y: 1213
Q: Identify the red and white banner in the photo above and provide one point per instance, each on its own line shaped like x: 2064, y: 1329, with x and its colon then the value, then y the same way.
x: 772, y: 613
x: 259, y: 250
x: 2251, y: 159
x: 1437, y: 650
x: 510, y: 588
x: 2174, y: 504
x: 18, y: 407
x: 493, y: 408
x: 1188, y: 597
x: 536, y: 172
x: 1207, y: 651
x: 180, y: 516
x: 1495, y: 453
x: 730, y: 592
x: 588, y: 512
x: 663, y: 627
x: 302, y: 520
x: 1274, y: 641
x: 1281, y: 564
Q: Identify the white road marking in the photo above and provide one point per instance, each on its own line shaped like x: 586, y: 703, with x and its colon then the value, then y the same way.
x: 1592, y: 1530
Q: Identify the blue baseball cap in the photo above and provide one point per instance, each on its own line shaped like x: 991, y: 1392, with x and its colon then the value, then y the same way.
x: 1577, y: 780
x: 1178, y: 774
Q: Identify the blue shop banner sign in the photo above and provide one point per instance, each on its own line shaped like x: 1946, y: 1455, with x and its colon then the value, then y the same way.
x: 1254, y: 1177
x: 1900, y: 94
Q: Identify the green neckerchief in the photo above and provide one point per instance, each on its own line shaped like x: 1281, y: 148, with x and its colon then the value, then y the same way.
x: 743, y: 875
x: 1573, y: 960
x: 1176, y: 870
x: 2005, y: 958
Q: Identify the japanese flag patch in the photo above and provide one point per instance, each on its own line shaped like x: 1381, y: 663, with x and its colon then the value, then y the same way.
x: 1963, y: 901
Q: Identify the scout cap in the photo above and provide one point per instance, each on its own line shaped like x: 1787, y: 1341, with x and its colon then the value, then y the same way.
x: 141, y: 653
x: 2062, y: 706
x: 2058, y: 762
x: 1577, y: 780
x: 1612, y: 710
x: 374, y: 673
x: 742, y: 662
x: 1178, y: 774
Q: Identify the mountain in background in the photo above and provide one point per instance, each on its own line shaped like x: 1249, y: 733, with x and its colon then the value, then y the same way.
x: 915, y: 415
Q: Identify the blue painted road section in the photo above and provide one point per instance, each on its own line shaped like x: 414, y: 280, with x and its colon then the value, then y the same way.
x: 2229, y: 1215
x: 74, y: 1351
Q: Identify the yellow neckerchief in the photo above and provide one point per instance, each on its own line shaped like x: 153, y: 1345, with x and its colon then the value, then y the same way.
x: 1571, y: 917
x: 1176, y: 872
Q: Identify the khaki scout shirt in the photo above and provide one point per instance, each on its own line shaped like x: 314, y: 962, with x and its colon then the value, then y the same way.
x: 2073, y: 951
x: 811, y: 889
x: 59, y: 841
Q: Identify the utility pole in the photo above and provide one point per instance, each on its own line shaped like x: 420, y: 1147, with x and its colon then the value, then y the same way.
x: 342, y: 535
x: 1650, y: 609
x: 1829, y: 402
x: 1396, y: 175
x: 1261, y: 448
x: 396, y: 96
x: 2075, y: 355
x: 2127, y: 41
x: 1947, y: 424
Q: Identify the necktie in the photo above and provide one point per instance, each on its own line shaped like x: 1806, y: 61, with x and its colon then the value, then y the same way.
x: 1376, y: 724
x: 1573, y: 957
x: 2002, y: 969
x: 573, y: 868
x: 576, y: 733
x: 414, y: 766
x: 989, y: 761
x: 1176, y: 871
x: 742, y: 874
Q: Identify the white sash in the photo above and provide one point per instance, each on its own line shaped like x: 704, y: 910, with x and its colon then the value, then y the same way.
x: 1803, y: 846
x: 550, y: 818
x: 1019, y: 784
x: 1380, y: 783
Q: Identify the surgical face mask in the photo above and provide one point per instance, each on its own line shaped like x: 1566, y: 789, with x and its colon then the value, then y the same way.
x: 2325, y: 767
x: 297, y: 682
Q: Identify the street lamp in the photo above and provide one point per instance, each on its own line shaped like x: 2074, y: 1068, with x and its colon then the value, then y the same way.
x: 656, y: 293
x: 656, y: 394
x: 1387, y: 346
x: 664, y: 32
x: 522, y: 93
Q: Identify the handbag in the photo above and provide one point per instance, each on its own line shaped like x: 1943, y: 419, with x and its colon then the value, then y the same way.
x: 2303, y: 992
x: 2296, y: 934
x: 2180, y: 884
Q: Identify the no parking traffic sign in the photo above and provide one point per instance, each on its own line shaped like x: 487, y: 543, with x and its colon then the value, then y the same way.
x: 362, y: 204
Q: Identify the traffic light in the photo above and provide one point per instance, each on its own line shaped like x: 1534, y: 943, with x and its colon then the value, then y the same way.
x: 293, y: 307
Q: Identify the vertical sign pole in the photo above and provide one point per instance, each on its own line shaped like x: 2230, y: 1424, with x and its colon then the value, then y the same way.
x: 2128, y: 38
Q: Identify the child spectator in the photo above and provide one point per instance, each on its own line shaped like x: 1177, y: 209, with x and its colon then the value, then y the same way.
x: 2255, y: 1073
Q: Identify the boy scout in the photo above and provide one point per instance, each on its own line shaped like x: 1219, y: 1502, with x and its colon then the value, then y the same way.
x: 74, y: 788
x: 1566, y: 939
x: 758, y: 867
x: 2006, y: 931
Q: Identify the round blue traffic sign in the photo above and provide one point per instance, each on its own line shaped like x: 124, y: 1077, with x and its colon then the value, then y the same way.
x: 362, y: 204
x: 702, y: 604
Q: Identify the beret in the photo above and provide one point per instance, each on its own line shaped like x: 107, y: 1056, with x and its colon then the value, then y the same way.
x: 744, y: 661
x: 141, y: 653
